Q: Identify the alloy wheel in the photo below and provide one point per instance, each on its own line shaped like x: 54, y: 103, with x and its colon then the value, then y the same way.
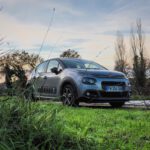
x: 69, y: 96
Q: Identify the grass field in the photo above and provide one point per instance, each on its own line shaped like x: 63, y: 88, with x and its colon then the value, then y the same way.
x: 45, y: 125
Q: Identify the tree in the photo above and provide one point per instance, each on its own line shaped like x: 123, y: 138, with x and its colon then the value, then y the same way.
x: 121, y: 57
x: 14, y: 64
x: 138, y: 50
x: 70, y: 54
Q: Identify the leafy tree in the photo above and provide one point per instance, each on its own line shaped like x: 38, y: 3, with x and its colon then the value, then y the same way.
x: 70, y: 54
x: 14, y: 64
x: 121, y: 57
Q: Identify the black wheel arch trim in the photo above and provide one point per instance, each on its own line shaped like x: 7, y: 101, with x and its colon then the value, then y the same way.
x: 68, y: 80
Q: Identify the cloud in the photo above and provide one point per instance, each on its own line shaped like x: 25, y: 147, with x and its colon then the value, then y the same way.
x: 86, y: 26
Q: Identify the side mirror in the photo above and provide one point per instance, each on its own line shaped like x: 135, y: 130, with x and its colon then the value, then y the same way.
x: 54, y: 70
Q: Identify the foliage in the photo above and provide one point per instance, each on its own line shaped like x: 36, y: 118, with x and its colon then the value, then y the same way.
x: 70, y: 53
x: 145, y: 91
x: 14, y: 63
x: 139, y: 61
x: 121, y: 63
x: 20, y: 58
x: 45, y: 125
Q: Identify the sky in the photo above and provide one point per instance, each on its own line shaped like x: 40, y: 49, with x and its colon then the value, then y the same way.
x: 87, y: 26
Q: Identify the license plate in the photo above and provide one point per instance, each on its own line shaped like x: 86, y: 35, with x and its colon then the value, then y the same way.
x: 114, y: 88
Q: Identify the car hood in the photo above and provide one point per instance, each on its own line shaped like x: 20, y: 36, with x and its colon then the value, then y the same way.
x: 100, y: 73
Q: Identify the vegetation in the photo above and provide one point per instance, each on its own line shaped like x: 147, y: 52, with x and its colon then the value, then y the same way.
x: 139, y: 61
x: 45, y: 125
x: 70, y: 53
x: 15, y: 63
x: 121, y: 63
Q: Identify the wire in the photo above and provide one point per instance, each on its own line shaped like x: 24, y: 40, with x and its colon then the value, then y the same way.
x: 58, y: 40
x: 99, y: 53
x: 49, y: 27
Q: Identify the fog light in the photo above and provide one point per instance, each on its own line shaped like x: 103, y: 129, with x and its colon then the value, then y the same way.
x: 87, y: 94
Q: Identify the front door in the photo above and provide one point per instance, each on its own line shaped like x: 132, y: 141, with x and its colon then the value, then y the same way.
x: 39, y: 79
x: 53, y: 80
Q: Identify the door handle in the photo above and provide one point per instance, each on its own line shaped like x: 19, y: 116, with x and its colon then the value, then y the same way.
x: 45, y: 77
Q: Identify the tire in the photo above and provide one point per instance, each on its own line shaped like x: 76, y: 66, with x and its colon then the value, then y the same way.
x: 117, y: 104
x: 69, y: 96
x: 28, y: 94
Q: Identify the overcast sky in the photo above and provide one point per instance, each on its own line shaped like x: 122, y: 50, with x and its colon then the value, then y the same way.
x: 87, y: 26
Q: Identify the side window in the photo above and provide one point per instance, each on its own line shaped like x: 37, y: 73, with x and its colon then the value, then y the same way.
x: 52, y: 64
x: 42, y: 67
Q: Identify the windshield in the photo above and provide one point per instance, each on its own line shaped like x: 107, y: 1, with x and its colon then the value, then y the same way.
x: 83, y: 64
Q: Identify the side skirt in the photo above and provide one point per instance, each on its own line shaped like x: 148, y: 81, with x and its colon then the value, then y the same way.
x: 46, y: 97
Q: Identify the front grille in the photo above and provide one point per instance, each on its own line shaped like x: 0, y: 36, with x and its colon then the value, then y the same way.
x: 112, y: 76
x: 112, y: 83
x: 114, y: 94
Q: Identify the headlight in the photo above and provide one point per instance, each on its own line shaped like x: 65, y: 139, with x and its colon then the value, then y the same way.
x: 87, y: 80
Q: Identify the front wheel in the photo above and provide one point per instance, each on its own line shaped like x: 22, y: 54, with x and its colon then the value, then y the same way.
x: 68, y: 96
x: 117, y: 104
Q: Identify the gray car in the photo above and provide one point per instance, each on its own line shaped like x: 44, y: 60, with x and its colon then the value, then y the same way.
x: 75, y: 80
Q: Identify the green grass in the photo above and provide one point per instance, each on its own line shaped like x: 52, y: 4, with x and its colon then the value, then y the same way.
x: 45, y: 125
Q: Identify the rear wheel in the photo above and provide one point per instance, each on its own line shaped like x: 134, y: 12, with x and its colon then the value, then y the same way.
x: 69, y: 96
x: 117, y: 104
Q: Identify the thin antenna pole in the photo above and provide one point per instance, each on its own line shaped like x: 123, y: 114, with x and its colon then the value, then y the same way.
x: 54, y: 46
x: 99, y: 53
x: 49, y: 27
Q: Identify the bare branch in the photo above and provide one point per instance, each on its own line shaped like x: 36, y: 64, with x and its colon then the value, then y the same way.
x: 139, y: 61
x: 121, y: 57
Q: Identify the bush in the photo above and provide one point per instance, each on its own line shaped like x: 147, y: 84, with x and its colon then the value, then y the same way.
x: 145, y: 91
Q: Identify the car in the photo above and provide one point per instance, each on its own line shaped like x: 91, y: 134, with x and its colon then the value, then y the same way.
x: 74, y: 80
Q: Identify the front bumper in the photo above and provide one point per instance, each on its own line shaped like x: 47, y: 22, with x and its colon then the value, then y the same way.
x: 97, y: 92
x: 101, y: 96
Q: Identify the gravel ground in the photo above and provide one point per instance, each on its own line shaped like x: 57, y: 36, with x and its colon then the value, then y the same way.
x: 130, y: 104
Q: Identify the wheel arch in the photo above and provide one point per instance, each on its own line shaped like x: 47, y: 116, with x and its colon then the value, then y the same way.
x: 68, y: 81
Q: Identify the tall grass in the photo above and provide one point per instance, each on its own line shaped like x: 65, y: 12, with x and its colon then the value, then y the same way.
x: 26, y: 126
